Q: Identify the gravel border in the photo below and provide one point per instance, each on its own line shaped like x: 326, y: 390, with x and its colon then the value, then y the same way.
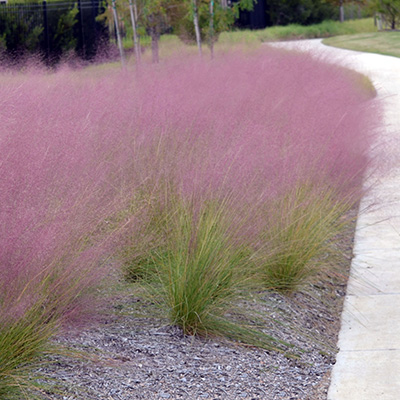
x: 126, y: 356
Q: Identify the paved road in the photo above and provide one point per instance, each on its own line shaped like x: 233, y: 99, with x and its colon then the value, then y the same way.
x: 368, y: 363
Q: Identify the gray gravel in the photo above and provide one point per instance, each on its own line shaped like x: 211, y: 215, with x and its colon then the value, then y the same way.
x: 126, y: 356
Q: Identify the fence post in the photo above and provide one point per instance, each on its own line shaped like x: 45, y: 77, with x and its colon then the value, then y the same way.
x: 46, y: 30
x: 94, y: 15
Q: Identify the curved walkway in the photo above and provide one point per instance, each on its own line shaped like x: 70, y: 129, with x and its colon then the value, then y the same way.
x: 368, y: 362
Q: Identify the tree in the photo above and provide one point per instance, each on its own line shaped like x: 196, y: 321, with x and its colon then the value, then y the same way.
x: 389, y: 9
x: 211, y: 26
x: 210, y: 17
x: 153, y: 17
x: 341, y: 4
x: 195, y: 12
x: 157, y: 16
x: 119, y: 40
x: 206, y: 19
x: 64, y: 38
x: 134, y: 19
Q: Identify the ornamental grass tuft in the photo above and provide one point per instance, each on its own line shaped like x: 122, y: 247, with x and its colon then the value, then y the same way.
x: 299, y: 238
x: 199, y: 268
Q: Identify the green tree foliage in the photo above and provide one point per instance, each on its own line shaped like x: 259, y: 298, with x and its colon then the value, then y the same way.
x: 341, y: 4
x: 64, y: 39
x: 19, y: 35
x: 224, y: 17
x: 154, y: 17
x: 304, y: 12
x: 389, y: 9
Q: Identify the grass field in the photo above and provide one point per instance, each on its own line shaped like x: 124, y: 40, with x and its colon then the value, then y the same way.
x: 387, y: 43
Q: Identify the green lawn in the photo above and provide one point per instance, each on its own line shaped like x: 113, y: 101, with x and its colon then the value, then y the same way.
x: 294, y: 31
x: 387, y: 43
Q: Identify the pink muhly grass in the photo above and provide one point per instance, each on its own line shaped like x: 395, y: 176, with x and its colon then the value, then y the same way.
x: 267, y: 127
x: 53, y: 192
x: 85, y: 158
x: 271, y: 117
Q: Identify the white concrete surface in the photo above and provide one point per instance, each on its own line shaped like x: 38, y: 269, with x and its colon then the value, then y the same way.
x: 368, y: 362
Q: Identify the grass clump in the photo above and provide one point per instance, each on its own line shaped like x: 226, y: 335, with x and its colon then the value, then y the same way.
x: 23, y: 343
x: 203, y: 267
x: 28, y: 322
x: 34, y: 309
x: 299, y: 240
x: 199, y: 269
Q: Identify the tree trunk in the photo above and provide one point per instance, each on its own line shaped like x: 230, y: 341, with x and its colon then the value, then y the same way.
x: 120, y: 47
x: 224, y: 3
x: 197, y: 26
x: 341, y: 11
x: 136, y: 19
x: 211, y: 34
x: 155, y: 37
x: 135, y: 35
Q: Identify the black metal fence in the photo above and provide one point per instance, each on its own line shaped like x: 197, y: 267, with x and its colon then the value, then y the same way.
x: 52, y: 28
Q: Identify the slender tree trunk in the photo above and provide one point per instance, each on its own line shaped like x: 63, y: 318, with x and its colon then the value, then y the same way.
x: 137, y: 19
x: 394, y: 12
x: 120, y: 47
x: 197, y: 26
x: 135, y: 35
x: 211, y: 34
x: 155, y: 37
x: 224, y: 3
x: 341, y: 9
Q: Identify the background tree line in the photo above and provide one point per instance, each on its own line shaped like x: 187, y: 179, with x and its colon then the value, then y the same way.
x: 82, y: 25
x: 196, y: 21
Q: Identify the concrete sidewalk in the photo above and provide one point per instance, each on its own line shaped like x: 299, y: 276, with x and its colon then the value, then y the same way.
x: 368, y: 363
